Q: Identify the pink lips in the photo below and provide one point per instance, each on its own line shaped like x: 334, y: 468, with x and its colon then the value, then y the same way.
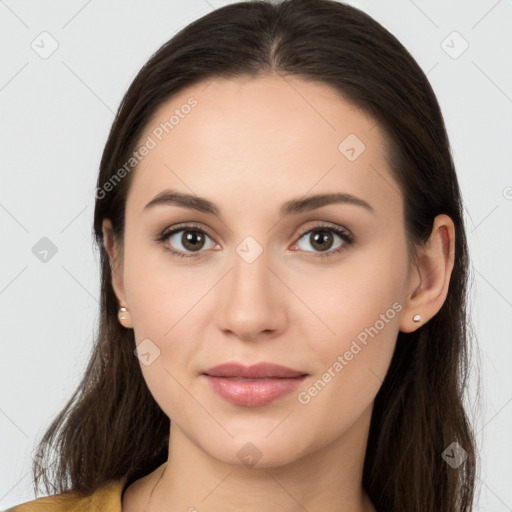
x: 253, y: 386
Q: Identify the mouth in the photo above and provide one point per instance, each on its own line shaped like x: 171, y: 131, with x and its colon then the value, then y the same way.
x: 252, y: 386
x: 256, y: 371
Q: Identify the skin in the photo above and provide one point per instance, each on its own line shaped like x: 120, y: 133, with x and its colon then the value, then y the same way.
x: 249, y: 146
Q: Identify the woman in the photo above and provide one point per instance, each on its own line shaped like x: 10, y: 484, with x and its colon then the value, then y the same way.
x: 284, y: 273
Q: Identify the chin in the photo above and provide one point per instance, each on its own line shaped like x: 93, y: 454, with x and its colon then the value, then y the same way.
x: 256, y: 451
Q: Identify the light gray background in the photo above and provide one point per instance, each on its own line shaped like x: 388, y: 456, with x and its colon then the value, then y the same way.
x: 55, y: 116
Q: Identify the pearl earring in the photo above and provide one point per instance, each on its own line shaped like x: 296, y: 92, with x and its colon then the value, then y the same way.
x: 125, y: 318
x: 416, y: 318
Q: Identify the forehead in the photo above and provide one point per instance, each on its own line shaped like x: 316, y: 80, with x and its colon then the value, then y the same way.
x: 267, y: 138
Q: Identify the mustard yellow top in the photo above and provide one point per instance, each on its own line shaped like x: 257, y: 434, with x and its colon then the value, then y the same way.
x: 105, y: 499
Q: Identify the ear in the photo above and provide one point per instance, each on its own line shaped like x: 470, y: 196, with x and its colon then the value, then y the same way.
x: 430, y: 278
x: 115, y: 258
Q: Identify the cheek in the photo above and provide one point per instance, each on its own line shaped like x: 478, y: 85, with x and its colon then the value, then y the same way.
x: 163, y: 299
x: 357, y: 316
x: 348, y: 303
x: 351, y: 363
x: 160, y: 291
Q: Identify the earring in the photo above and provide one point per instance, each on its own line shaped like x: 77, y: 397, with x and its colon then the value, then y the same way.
x: 417, y: 318
x: 124, y: 316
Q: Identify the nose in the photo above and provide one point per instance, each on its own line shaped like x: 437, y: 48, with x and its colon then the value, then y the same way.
x: 252, y: 300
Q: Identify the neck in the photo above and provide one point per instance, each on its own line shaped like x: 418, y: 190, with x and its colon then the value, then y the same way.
x: 328, y: 479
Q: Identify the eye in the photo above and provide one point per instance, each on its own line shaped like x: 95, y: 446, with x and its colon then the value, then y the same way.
x: 321, y: 238
x: 185, y: 238
x: 190, y: 239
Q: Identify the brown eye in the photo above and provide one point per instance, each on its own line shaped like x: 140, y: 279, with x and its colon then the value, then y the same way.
x: 192, y: 240
x: 185, y: 241
x: 323, y: 240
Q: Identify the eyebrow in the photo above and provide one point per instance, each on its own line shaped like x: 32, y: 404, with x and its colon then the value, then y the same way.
x: 292, y: 207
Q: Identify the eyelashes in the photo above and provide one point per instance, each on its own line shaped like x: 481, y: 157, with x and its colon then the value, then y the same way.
x: 347, y: 239
x: 191, y: 228
x: 345, y: 236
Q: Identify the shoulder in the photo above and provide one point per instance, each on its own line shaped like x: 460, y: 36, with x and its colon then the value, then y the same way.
x: 107, y: 499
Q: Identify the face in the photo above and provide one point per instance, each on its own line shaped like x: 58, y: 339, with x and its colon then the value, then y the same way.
x: 317, y: 288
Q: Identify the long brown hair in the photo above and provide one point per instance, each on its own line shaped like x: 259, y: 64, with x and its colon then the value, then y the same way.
x: 112, y: 428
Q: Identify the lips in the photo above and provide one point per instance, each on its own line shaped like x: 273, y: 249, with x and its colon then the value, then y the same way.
x: 252, y: 386
x: 257, y: 371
